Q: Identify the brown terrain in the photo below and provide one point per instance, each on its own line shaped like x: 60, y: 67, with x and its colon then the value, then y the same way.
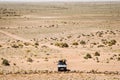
x: 34, y: 36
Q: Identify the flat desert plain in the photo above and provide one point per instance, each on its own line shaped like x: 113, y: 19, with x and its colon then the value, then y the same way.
x: 34, y: 36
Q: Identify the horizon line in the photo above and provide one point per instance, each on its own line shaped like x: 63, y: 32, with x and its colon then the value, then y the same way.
x: 60, y: 1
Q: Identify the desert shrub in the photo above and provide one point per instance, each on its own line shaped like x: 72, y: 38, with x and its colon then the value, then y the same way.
x: 5, y: 62
x: 112, y: 42
x: 51, y: 43
x: 97, y: 59
x: 99, y: 33
x: 114, y: 55
x: 62, y: 45
x: 37, y: 44
x: 82, y: 42
x: 111, y: 58
x: 20, y: 45
x: 26, y: 43
x: 69, y: 36
x: 118, y: 54
x: 118, y: 58
x: 104, y: 41
x: 97, y: 54
x: 0, y: 45
x: 28, y: 51
x: 75, y: 43
x: 109, y: 43
x: 94, y: 43
x: 46, y: 59
x: 15, y: 46
x: 14, y: 64
x: 100, y: 46
x: 88, y: 56
x: 29, y: 60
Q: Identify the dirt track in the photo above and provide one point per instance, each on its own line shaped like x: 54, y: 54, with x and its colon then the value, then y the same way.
x: 14, y: 36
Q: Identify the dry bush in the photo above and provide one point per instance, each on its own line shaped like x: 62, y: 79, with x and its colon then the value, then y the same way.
x: 36, y: 43
x: 20, y: 45
x: 97, y: 54
x: 27, y: 44
x: 29, y: 60
x: 15, y: 46
x: 82, y: 42
x: 62, y: 45
x: 46, y: 59
x: 75, y: 43
x: 94, y: 43
x: 69, y: 36
x: 28, y: 51
x: 109, y: 43
x: 100, y: 46
x: 99, y: 33
x: 87, y: 56
x: 5, y: 62
x: 118, y: 58
x: 0, y: 45
x: 104, y: 41
x: 112, y: 42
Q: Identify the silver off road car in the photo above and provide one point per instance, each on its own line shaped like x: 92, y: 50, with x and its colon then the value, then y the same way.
x: 62, y: 66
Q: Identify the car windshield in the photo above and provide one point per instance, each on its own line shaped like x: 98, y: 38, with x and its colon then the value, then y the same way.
x: 61, y: 63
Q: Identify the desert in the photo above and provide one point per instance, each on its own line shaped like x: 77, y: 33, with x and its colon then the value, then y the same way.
x: 34, y: 36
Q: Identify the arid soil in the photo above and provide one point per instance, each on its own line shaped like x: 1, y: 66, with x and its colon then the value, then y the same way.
x: 34, y: 36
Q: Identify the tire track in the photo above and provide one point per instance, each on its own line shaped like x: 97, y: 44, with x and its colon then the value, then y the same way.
x: 14, y: 36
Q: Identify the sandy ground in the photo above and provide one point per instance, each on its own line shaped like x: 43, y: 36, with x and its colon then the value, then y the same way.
x: 31, y: 39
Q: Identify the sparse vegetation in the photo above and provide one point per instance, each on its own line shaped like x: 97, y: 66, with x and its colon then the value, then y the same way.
x: 0, y: 45
x: 69, y: 36
x: 46, y: 59
x: 112, y: 42
x: 32, y: 43
x: 15, y: 46
x: 109, y: 43
x: 82, y: 42
x: 97, y: 54
x: 100, y: 46
x: 118, y: 58
x: 37, y: 44
x: 20, y: 45
x: 62, y: 45
x: 27, y: 44
x: 29, y: 60
x: 87, y: 56
x: 28, y: 51
x: 5, y: 62
x: 75, y: 43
